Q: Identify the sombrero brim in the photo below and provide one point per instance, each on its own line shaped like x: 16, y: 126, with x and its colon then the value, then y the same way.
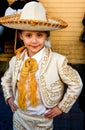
x: 14, y: 21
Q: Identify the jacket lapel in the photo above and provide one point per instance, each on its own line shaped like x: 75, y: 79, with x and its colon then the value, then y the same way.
x: 45, y: 60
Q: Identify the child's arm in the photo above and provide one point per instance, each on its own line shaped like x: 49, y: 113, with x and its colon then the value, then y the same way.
x: 74, y: 85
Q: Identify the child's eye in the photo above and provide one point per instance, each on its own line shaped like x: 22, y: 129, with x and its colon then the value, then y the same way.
x: 40, y: 35
x: 28, y: 35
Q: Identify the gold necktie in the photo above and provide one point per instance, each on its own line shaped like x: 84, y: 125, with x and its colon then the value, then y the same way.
x: 27, y: 78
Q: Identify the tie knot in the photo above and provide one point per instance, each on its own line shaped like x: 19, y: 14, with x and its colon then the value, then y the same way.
x: 30, y: 65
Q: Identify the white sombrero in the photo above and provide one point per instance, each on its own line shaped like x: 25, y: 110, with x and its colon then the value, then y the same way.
x: 33, y: 17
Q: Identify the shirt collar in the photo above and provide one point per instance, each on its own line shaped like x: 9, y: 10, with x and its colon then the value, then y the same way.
x: 37, y: 56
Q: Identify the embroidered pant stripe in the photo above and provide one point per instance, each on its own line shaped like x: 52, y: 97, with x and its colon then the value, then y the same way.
x: 23, y: 121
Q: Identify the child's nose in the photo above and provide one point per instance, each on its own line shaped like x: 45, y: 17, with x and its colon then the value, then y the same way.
x: 34, y: 39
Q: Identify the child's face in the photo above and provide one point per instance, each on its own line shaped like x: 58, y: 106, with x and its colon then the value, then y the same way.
x: 34, y: 41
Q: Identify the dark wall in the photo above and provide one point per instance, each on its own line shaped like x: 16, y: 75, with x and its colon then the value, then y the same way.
x: 81, y: 69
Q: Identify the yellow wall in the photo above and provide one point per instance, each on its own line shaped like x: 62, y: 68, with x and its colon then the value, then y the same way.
x: 66, y: 41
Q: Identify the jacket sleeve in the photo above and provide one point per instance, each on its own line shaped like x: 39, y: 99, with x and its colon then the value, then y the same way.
x: 74, y: 85
x: 6, y: 80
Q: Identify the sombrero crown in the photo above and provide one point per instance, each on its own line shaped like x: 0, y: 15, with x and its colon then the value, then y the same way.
x: 33, y: 17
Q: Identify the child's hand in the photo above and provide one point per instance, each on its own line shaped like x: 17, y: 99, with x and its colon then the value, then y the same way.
x: 53, y: 112
x: 12, y: 104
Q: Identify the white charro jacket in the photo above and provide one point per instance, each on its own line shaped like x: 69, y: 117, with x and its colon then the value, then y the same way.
x: 54, y: 72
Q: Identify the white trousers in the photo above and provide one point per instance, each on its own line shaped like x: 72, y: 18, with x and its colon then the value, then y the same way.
x: 23, y: 121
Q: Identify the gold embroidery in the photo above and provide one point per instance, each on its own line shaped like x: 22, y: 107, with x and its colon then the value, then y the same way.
x: 45, y: 59
x: 68, y: 102
x: 17, y: 125
x: 70, y: 73
x: 53, y: 94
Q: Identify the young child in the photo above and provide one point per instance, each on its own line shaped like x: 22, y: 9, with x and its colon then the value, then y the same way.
x: 33, y: 85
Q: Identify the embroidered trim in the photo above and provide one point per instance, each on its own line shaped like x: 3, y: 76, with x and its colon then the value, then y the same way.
x: 68, y: 102
x: 51, y: 96
x: 70, y: 73
x: 17, y: 125
x: 45, y: 59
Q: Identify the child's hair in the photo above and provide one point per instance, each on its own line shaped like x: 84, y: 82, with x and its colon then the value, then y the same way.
x: 48, y: 33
